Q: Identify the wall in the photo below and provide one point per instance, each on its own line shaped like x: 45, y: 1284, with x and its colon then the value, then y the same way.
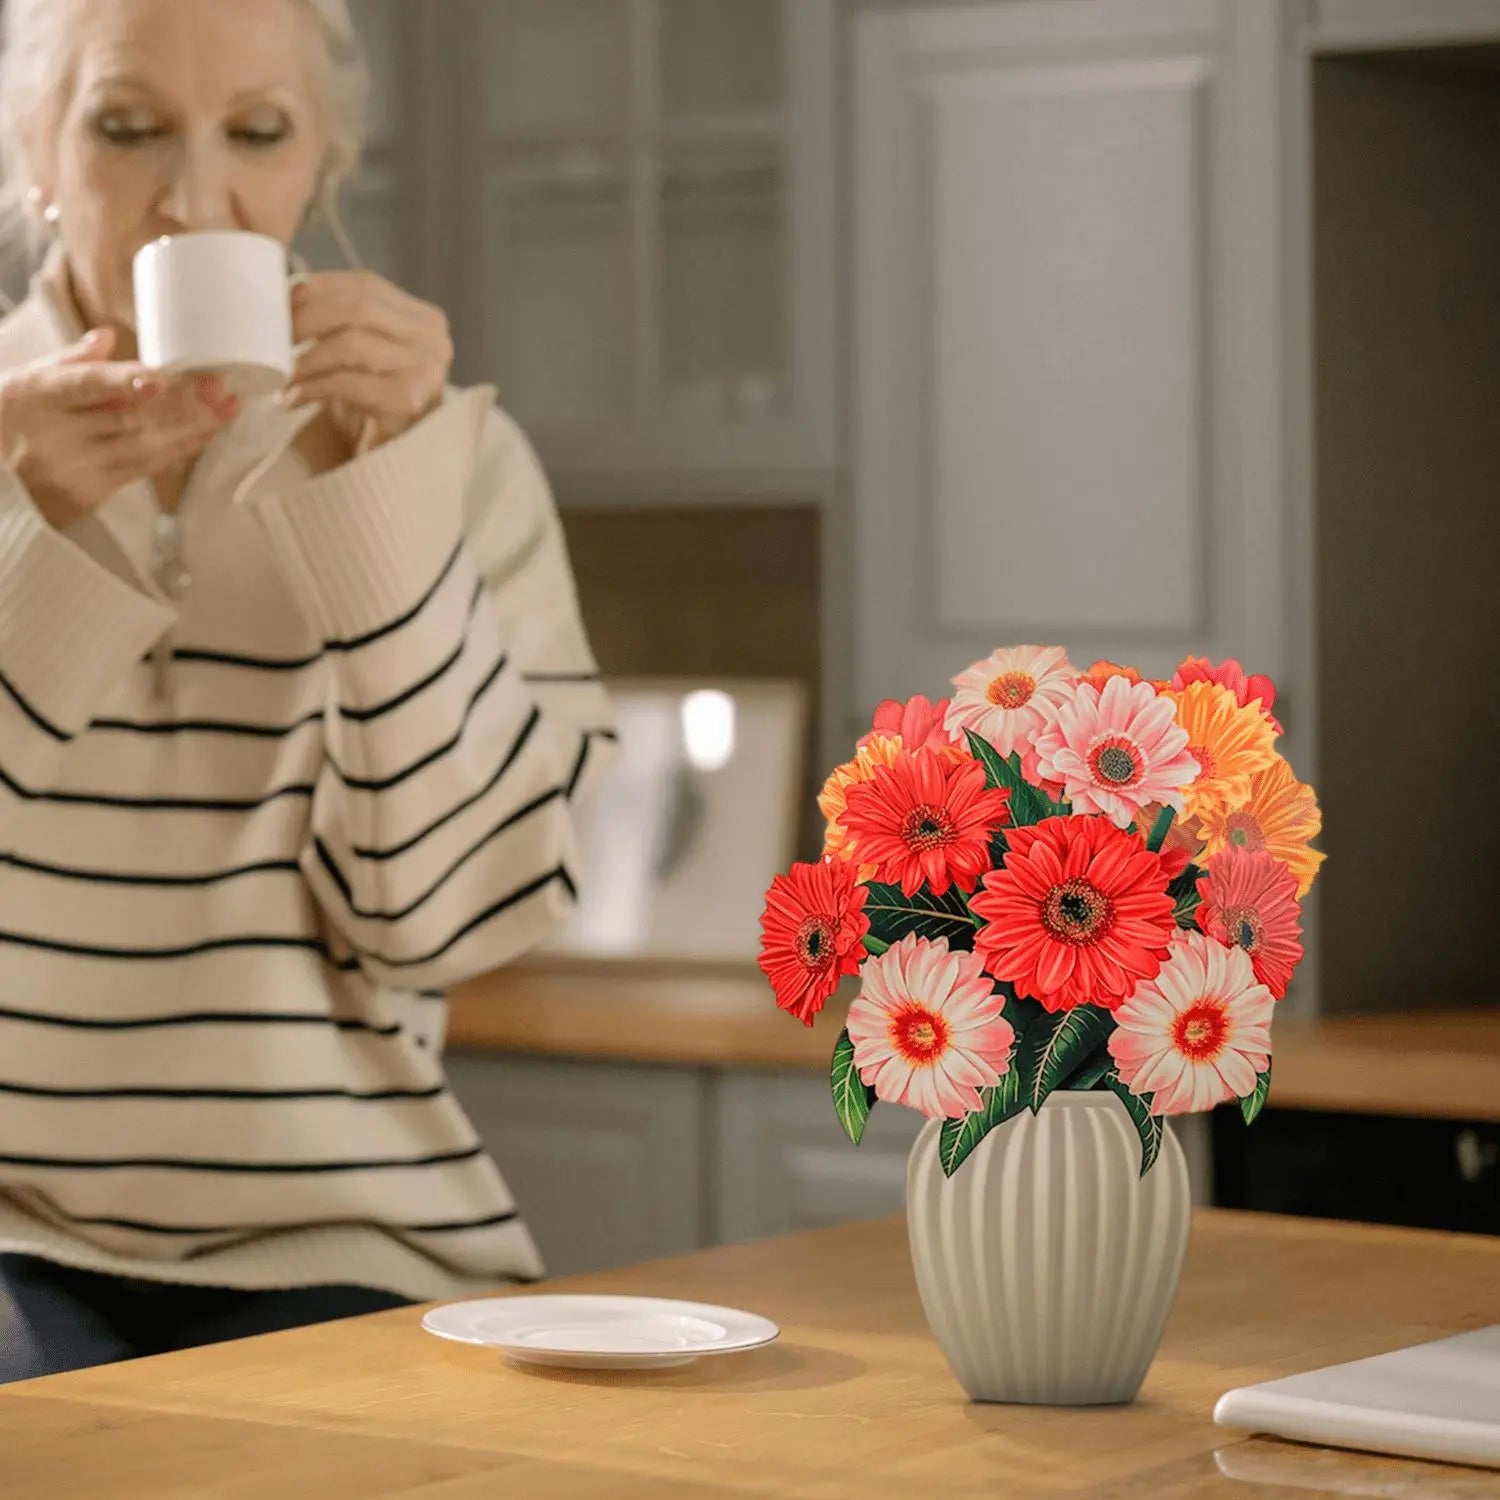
x: 1407, y: 299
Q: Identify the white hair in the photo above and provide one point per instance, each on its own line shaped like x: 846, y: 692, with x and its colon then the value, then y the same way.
x: 36, y: 66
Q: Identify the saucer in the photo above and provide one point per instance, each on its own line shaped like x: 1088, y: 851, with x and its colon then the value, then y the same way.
x: 600, y: 1333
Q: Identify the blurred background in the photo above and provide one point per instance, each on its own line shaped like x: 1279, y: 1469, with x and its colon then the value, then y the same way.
x: 858, y: 339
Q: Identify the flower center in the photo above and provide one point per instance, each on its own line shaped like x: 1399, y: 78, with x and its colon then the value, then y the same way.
x: 1077, y: 912
x: 926, y: 826
x: 1011, y: 689
x: 1116, y: 762
x: 1208, y: 766
x: 1244, y: 926
x: 920, y: 1035
x: 815, y: 942
x: 1242, y: 829
x: 1200, y: 1031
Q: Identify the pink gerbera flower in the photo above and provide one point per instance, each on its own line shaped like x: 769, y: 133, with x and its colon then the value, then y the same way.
x: 1230, y: 674
x: 926, y: 818
x: 927, y: 1028
x: 918, y: 724
x: 1250, y: 900
x: 1199, y: 1033
x: 1006, y: 698
x: 1116, y: 749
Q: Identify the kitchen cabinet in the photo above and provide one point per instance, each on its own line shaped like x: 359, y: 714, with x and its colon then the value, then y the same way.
x: 627, y: 207
x: 1171, y: 333
x: 605, y: 1160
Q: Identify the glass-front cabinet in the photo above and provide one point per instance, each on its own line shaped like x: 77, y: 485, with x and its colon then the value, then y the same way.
x: 628, y: 209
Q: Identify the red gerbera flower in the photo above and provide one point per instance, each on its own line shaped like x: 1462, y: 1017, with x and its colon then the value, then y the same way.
x: 1250, y: 901
x: 926, y: 818
x: 812, y: 934
x: 1078, y: 915
x: 1232, y: 675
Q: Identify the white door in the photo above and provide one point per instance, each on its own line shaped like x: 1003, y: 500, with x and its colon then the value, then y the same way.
x: 1074, y: 420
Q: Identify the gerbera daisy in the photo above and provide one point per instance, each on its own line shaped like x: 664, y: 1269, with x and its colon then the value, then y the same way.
x: 1250, y: 900
x: 927, y: 1028
x: 926, y: 818
x: 1115, y: 749
x: 1229, y: 742
x: 1101, y: 671
x: 812, y: 934
x: 1078, y: 915
x: 1280, y: 815
x: 1184, y: 841
x: 1230, y: 674
x: 1198, y: 1033
x: 917, y: 724
x: 876, y: 751
x: 1006, y: 698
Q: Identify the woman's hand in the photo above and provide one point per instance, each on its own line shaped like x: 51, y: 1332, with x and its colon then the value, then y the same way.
x: 380, y: 358
x: 76, y: 426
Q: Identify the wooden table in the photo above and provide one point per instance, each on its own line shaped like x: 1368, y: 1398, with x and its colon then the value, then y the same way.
x: 1433, y: 1064
x: 853, y: 1401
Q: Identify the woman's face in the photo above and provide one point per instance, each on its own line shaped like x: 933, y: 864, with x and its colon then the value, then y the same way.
x: 182, y: 115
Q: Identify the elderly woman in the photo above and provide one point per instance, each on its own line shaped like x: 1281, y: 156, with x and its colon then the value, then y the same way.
x: 294, y: 702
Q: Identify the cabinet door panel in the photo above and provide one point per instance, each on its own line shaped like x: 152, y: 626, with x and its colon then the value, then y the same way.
x: 604, y: 1160
x: 784, y: 1163
x: 1061, y: 348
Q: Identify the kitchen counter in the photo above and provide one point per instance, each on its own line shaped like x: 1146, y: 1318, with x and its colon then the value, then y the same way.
x: 854, y: 1399
x: 1437, y: 1064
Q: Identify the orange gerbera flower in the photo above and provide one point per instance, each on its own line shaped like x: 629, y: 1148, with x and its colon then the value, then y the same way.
x: 879, y: 750
x: 1231, y: 744
x: 1280, y: 815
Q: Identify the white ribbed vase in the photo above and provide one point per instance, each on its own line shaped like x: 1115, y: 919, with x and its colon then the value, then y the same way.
x: 1046, y: 1264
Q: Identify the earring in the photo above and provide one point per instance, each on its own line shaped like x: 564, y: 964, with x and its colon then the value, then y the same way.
x: 40, y: 208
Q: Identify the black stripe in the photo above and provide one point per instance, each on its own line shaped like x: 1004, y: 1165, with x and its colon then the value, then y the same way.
x: 527, y: 729
x: 144, y: 1227
x: 250, y: 663
x: 355, y: 642
x: 385, y: 783
x: 209, y: 726
x: 112, y: 877
x: 199, y: 1018
x: 583, y: 755
x: 364, y: 715
x: 32, y: 1091
x: 45, y: 725
x: 531, y: 888
x: 191, y: 950
x: 347, y: 891
x: 559, y: 677
x: 194, y: 1164
x: 156, y: 804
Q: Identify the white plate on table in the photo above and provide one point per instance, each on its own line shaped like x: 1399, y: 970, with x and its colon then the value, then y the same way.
x: 600, y: 1333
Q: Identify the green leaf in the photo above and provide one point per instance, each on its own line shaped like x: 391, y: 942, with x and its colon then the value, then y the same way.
x: 1160, y: 829
x: 997, y: 1105
x: 852, y: 1096
x: 1147, y: 1125
x: 1028, y: 804
x: 1060, y: 1045
x: 874, y: 946
x: 1252, y: 1105
x: 959, y: 1137
x: 1093, y: 1072
x: 1185, y: 897
x: 892, y: 915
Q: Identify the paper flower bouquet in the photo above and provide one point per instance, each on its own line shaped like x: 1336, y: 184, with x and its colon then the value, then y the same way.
x: 1055, y: 879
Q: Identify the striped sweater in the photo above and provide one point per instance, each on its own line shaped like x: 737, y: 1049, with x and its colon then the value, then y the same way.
x: 252, y: 830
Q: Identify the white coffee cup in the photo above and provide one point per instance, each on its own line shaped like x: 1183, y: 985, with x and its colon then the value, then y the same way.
x: 219, y: 301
